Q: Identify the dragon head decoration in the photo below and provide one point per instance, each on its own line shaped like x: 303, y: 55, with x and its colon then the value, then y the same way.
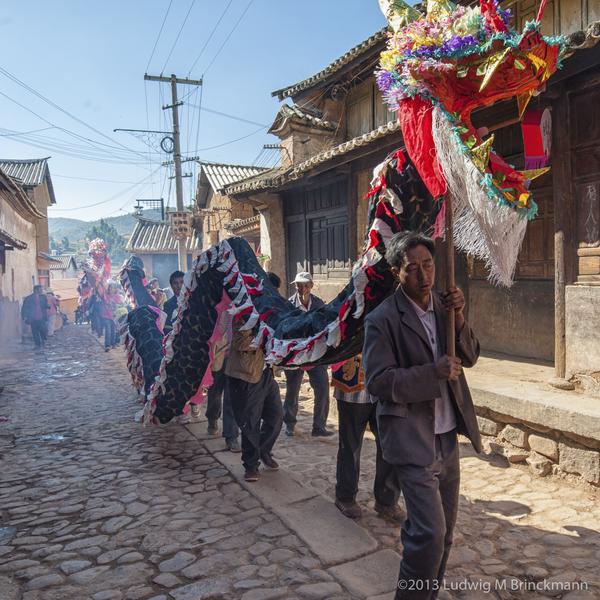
x: 437, y: 69
x: 99, y: 260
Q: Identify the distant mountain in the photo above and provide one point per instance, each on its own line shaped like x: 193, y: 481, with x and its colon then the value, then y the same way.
x: 76, y: 230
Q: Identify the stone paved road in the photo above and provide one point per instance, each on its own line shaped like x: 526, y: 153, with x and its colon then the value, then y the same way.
x: 94, y: 506
x: 511, y: 524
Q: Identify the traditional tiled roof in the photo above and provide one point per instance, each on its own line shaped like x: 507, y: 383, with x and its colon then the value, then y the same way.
x: 29, y: 172
x: 157, y: 237
x: 64, y: 262
x: 49, y: 257
x: 586, y: 38
x: 220, y: 175
x: 9, y: 240
x: 17, y: 197
x: 334, y: 67
x: 243, y: 226
x: 278, y: 177
x: 301, y: 114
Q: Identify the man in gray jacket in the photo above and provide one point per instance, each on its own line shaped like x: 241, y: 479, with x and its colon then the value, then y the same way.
x: 423, y: 402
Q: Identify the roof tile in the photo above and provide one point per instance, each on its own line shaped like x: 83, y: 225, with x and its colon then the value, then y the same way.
x: 156, y: 236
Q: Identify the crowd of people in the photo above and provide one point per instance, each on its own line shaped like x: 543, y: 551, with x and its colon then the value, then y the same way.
x: 404, y: 387
x: 103, y: 308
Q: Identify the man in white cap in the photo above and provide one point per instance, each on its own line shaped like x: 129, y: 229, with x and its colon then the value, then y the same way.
x: 317, y: 376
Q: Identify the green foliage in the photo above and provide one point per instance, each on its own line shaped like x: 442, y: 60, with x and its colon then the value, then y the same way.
x: 114, y: 241
x: 65, y: 244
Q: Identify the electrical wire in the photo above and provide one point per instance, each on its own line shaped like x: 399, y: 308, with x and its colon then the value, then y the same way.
x: 90, y: 179
x: 64, y: 111
x: 227, y: 143
x: 114, y: 197
x: 158, y: 36
x: 178, y: 35
x: 63, y: 129
x: 229, y: 116
x: 210, y: 64
x: 212, y: 33
x: 18, y: 133
x: 77, y: 154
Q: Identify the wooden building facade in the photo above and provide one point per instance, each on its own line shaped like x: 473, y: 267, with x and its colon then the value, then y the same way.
x: 338, y: 129
x: 220, y: 217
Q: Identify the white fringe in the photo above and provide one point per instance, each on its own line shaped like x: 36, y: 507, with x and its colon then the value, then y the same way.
x: 482, y: 228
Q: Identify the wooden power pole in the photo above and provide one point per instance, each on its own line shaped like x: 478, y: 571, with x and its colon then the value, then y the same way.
x: 174, y: 106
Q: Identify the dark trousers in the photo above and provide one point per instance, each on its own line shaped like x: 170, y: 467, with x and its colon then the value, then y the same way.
x: 216, y: 397
x: 39, y: 332
x: 431, y: 496
x: 97, y: 323
x: 258, y: 412
x: 319, y: 381
x: 110, y: 334
x: 353, y: 419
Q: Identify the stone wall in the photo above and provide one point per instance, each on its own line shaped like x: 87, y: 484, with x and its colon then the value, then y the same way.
x: 583, y: 334
x: 272, y: 235
x: 544, y: 450
x: 19, y: 273
x: 518, y: 321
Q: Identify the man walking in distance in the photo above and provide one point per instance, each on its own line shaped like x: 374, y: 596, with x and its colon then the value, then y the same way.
x: 317, y: 376
x: 35, y: 313
x: 255, y: 400
x: 423, y: 402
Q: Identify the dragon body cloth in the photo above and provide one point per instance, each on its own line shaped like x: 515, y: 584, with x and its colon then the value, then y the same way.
x: 422, y: 75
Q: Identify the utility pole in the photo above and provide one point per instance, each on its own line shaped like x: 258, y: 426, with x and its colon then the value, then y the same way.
x: 174, y: 80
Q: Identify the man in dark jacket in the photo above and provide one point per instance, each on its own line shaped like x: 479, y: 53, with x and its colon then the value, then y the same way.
x: 35, y: 313
x: 423, y: 402
x: 317, y: 376
x: 176, y: 283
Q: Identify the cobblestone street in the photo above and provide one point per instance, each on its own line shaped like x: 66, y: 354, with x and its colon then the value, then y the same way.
x: 95, y: 506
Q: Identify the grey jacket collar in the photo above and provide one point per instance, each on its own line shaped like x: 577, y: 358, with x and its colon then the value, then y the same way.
x: 412, y: 321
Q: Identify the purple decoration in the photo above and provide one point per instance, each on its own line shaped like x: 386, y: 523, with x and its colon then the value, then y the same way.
x: 448, y: 48
x: 384, y: 80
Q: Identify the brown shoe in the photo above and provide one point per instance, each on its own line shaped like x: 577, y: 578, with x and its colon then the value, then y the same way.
x: 269, y: 462
x: 390, y: 513
x: 349, y: 509
x: 251, y: 475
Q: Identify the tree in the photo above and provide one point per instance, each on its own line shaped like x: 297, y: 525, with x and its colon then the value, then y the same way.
x: 114, y: 242
x: 53, y: 244
x: 66, y: 244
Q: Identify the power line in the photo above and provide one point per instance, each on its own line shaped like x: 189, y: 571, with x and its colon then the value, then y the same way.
x: 67, y: 131
x: 227, y: 143
x: 158, y: 36
x: 222, y: 114
x: 89, y: 179
x: 64, y: 111
x: 17, y: 133
x: 210, y: 64
x: 209, y: 37
x: 114, y: 197
x: 73, y: 152
x: 178, y: 35
x: 68, y: 149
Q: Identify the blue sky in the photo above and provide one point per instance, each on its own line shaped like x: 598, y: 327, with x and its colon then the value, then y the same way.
x: 89, y: 58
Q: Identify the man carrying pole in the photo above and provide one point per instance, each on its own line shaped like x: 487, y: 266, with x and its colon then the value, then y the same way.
x: 424, y: 401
